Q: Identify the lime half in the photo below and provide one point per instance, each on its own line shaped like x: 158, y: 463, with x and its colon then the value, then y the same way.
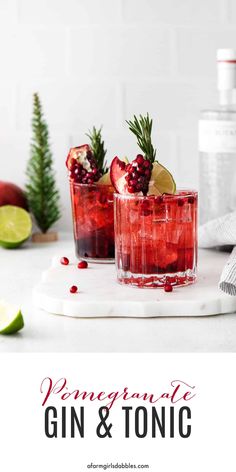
x: 15, y: 226
x: 11, y: 319
x: 161, y: 181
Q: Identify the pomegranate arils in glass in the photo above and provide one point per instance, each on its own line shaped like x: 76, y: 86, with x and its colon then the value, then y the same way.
x: 73, y: 289
x: 168, y: 287
x: 145, y: 205
x: 64, y: 261
x: 159, y: 199
x: 191, y: 200
x: 82, y: 265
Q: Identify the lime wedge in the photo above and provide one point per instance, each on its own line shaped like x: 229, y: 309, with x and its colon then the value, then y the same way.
x: 15, y: 226
x: 105, y: 179
x: 161, y: 181
x: 11, y: 319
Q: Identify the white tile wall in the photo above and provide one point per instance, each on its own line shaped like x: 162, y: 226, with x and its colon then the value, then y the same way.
x: 100, y: 61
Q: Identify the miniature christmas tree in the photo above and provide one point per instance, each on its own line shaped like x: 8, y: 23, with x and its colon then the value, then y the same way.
x: 42, y: 193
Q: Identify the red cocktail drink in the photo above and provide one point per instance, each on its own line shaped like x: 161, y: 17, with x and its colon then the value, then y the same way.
x: 156, y: 239
x: 93, y: 220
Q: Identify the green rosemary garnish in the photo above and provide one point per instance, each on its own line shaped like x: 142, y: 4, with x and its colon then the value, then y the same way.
x: 97, y: 146
x: 142, y: 128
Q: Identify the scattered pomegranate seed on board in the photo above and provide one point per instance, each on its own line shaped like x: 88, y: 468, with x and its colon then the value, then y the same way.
x: 64, y: 261
x: 82, y: 265
x: 168, y: 288
x: 73, y: 289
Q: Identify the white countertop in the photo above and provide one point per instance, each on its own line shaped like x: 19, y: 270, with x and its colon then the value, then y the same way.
x: 21, y: 269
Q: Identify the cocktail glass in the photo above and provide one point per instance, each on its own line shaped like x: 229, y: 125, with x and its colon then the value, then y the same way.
x: 93, y: 221
x: 156, y: 239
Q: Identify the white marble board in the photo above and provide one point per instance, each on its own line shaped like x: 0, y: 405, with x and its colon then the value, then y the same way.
x: 100, y: 295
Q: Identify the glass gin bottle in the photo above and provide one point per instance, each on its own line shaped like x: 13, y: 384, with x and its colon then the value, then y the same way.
x: 217, y: 144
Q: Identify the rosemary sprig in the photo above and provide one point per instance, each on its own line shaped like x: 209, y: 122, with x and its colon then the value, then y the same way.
x: 97, y: 146
x: 142, y: 129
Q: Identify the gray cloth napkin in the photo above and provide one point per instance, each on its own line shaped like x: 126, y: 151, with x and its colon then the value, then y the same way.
x: 222, y: 232
x: 228, y: 277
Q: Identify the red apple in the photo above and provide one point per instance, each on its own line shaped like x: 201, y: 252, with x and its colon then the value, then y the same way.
x: 11, y: 194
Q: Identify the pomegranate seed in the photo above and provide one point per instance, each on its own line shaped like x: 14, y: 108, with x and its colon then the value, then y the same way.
x: 191, y: 200
x: 64, y: 261
x: 168, y: 288
x: 139, y: 170
x: 122, y: 165
x: 159, y: 199
x: 73, y: 289
x: 139, y: 159
x: 131, y: 189
x: 82, y: 265
x: 141, y: 180
x: 102, y: 199
x: 147, y: 164
x: 145, y: 205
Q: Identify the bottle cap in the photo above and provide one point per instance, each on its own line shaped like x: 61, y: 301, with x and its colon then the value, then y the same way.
x: 226, y: 65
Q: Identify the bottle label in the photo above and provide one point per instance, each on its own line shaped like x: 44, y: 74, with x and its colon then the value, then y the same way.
x: 217, y: 136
